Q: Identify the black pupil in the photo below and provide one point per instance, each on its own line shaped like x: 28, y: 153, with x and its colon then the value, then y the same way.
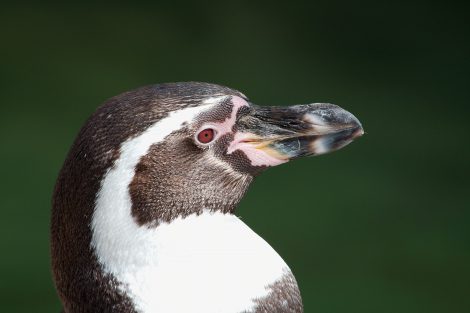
x: 206, y: 135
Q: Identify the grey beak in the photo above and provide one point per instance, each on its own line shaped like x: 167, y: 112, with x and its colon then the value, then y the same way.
x: 300, y: 130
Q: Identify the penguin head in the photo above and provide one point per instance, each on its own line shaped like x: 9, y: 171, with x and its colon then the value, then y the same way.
x: 206, y: 143
x: 185, y: 147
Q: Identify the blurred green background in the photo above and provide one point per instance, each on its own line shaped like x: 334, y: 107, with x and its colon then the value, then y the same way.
x: 381, y: 226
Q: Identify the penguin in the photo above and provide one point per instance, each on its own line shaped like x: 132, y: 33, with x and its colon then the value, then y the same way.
x: 143, y: 212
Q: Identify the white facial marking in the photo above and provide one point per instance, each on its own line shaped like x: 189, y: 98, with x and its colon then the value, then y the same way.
x: 214, y: 100
x: 208, y: 263
x: 115, y: 235
x: 227, y: 125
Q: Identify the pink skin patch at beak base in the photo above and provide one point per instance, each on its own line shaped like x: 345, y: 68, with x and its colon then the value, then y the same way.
x: 258, y: 157
x: 227, y: 125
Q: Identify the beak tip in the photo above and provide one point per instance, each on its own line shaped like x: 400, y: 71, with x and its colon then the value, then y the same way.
x: 350, y: 119
x: 358, y: 132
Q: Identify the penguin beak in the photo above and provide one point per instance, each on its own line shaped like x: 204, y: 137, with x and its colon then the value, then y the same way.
x: 273, y: 135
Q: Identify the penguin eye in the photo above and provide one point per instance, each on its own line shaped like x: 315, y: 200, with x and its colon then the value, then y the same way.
x: 206, y: 135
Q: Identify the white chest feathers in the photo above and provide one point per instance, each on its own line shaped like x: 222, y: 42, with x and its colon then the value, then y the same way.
x: 208, y: 263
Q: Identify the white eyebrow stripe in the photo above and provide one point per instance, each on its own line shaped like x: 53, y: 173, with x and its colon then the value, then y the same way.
x: 214, y: 100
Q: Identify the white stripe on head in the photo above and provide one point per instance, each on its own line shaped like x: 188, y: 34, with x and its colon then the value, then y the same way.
x: 208, y: 263
x: 214, y: 100
x: 115, y: 234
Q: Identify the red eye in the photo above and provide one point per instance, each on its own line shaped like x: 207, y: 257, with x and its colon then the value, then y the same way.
x: 206, y: 135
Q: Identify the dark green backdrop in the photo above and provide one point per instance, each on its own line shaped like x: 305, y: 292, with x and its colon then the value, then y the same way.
x: 381, y: 226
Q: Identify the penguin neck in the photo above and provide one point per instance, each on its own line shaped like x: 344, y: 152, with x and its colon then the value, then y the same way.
x: 224, y: 259
x: 151, y: 261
